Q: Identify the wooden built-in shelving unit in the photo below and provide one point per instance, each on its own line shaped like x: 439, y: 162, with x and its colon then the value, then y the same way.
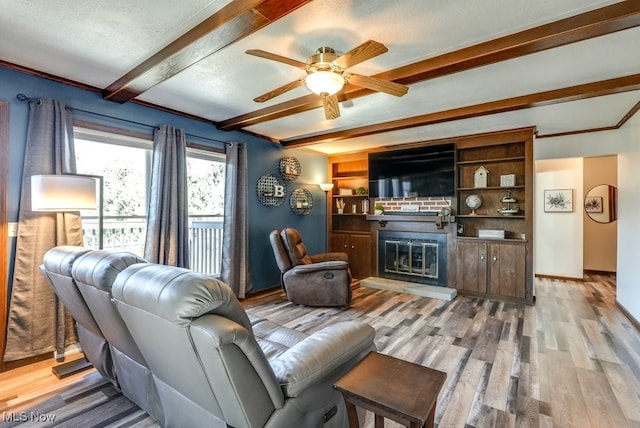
x: 496, y: 267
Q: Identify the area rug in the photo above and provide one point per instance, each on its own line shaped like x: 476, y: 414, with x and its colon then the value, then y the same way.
x: 92, y: 402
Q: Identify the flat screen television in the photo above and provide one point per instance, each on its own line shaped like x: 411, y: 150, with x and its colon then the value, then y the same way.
x: 416, y: 172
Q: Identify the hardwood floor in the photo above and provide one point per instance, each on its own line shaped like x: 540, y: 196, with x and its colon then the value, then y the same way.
x: 570, y: 360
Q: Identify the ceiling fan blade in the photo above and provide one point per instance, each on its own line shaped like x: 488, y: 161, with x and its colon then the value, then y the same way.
x: 378, y: 85
x: 361, y: 53
x: 279, y: 91
x: 274, y: 57
x: 331, y: 107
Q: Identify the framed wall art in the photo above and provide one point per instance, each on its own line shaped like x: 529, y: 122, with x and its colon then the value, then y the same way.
x: 558, y: 201
x: 593, y: 204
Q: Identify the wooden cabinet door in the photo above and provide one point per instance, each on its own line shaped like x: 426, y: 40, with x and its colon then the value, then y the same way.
x: 358, y: 249
x: 471, y: 267
x: 360, y: 256
x: 507, y: 270
x: 339, y: 242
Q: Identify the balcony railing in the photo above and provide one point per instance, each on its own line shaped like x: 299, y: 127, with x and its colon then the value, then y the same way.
x: 129, y: 233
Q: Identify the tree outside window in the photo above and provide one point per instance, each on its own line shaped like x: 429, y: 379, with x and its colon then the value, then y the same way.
x: 125, y: 168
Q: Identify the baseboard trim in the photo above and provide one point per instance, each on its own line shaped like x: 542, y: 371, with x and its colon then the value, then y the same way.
x: 274, y: 289
x: 10, y: 365
x: 562, y: 278
x: 599, y: 272
x: 627, y: 314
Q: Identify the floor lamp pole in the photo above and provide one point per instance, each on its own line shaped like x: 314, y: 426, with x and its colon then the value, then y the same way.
x: 69, y: 192
x: 326, y: 187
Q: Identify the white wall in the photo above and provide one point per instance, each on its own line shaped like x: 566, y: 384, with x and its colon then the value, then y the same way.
x: 580, y: 145
x: 626, y: 143
x: 628, y: 278
x: 558, y: 236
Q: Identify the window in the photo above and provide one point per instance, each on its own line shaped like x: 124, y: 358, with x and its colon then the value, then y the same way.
x: 124, y: 162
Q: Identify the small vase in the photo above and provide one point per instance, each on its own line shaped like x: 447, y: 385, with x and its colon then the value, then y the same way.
x: 340, y: 210
x: 378, y: 212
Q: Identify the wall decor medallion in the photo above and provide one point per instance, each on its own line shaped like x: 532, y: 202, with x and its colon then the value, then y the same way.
x: 301, y: 201
x: 290, y: 168
x: 271, y: 190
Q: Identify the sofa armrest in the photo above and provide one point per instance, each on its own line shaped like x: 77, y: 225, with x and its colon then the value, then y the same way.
x: 315, y: 267
x: 319, y: 355
x: 327, y: 257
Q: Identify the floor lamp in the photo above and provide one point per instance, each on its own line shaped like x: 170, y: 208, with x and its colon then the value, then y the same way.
x: 69, y: 192
x: 326, y: 187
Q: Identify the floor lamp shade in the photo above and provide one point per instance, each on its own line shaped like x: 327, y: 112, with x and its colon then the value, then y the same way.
x: 63, y: 193
x: 69, y: 192
x: 326, y: 186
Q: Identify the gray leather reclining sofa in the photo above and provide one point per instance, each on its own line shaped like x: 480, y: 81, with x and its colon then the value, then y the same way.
x: 213, y: 365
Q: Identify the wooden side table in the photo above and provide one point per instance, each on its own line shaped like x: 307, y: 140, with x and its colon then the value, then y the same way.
x: 391, y: 388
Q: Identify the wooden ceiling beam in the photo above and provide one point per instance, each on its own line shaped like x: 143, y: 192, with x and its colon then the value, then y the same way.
x: 233, y: 22
x: 556, y: 96
x: 599, y: 22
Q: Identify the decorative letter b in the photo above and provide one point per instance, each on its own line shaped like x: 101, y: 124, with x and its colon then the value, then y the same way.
x: 278, y: 191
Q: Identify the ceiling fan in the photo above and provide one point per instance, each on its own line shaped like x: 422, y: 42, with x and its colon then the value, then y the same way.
x: 327, y: 73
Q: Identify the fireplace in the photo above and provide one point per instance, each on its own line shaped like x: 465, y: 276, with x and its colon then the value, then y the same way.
x: 413, y: 256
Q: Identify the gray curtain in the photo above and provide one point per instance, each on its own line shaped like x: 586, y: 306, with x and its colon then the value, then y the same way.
x: 168, y: 222
x: 37, y: 321
x: 235, y: 241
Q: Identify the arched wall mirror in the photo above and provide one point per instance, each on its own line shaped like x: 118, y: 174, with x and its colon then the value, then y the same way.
x: 601, y: 203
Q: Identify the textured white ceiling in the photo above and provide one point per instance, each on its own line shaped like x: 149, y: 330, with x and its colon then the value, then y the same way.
x: 96, y: 42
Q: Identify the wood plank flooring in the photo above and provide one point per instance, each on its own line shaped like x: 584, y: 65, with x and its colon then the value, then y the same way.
x: 570, y: 360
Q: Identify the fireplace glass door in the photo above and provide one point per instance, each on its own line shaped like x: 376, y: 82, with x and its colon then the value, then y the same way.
x: 411, y: 258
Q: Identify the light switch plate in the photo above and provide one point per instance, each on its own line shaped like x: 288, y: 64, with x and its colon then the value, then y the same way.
x: 12, y: 229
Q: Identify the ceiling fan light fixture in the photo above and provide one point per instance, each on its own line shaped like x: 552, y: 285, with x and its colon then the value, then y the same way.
x: 324, y: 82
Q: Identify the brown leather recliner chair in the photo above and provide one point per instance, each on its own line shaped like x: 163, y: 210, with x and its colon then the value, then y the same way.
x: 312, y: 280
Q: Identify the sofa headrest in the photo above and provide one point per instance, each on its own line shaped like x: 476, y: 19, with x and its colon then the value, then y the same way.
x: 60, y: 259
x: 99, y: 268
x: 177, y: 295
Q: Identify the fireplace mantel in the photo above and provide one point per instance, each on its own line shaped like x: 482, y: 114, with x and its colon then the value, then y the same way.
x: 383, y: 219
x: 408, y: 217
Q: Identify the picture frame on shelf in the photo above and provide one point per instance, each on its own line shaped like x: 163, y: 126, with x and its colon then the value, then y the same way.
x: 507, y: 180
x: 558, y: 201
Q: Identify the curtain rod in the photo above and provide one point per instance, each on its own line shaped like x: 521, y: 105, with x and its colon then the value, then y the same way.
x: 23, y: 97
